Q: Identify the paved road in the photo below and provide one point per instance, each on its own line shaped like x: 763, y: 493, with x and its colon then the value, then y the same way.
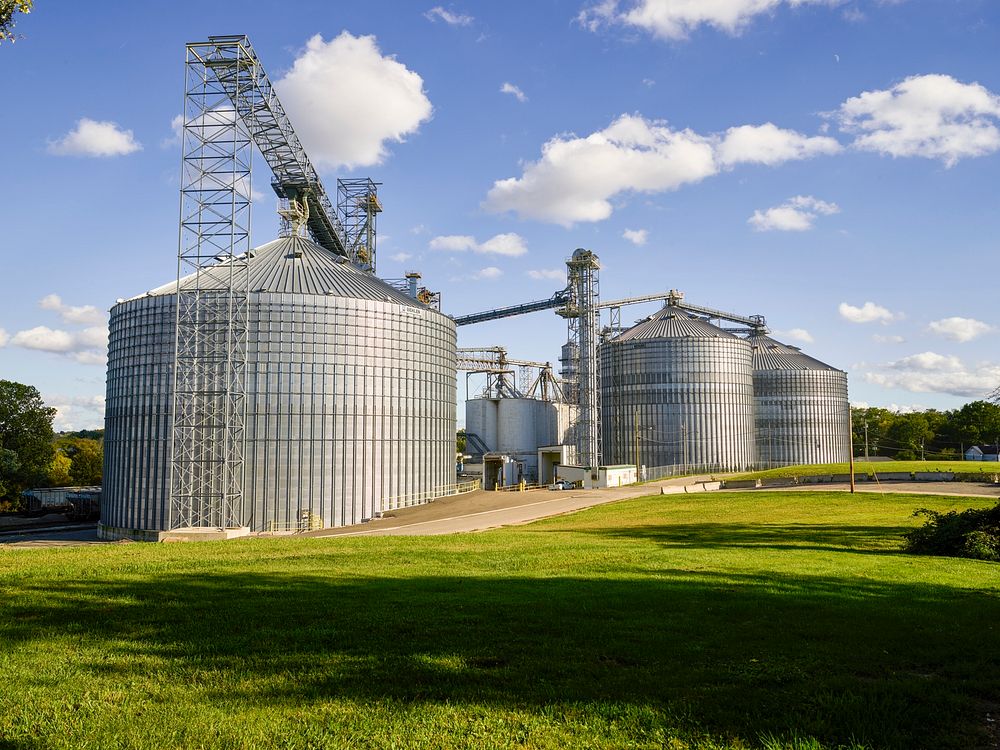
x: 72, y: 536
x: 530, y: 506
x: 480, y: 510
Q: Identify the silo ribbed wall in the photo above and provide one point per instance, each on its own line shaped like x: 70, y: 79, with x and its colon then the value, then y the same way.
x: 802, y: 406
x: 693, y: 398
x: 802, y: 416
x: 351, y: 401
x: 137, y: 414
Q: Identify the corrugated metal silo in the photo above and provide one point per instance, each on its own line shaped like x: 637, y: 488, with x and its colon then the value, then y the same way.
x: 689, y: 384
x: 802, y: 408
x: 351, y: 396
x: 481, y: 420
x: 519, y: 420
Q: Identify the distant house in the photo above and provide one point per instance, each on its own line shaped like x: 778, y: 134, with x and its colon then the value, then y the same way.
x: 982, y: 453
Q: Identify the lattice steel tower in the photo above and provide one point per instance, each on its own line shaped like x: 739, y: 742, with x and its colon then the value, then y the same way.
x: 230, y: 106
x: 210, y: 360
x: 582, y: 314
x: 357, y: 208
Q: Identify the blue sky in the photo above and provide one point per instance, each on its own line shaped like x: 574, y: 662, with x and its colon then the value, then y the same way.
x: 828, y: 164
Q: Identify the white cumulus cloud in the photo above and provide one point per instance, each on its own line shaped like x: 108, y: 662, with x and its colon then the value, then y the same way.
x: 869, y: 312
x: 930, y: 372
x: 45, y: 339
x: 548, y: 274
x: 87, y: 346
x: 82, y: 314
x: 509, y: 244
x: 794, y: 215
x: 891, y: 339
x: 960, y: 329
x: 400, y: 257
x: 676, y: 19
x: 76, y: 412
x: 437, y: 13
x: 636, y: 236
x: 95, y: 138
x: 177, y: 128
x: 4, y: 337
x: 796, y: 334
x: 576, y: 177
x: 347, y: 100
x: 933, y: 116
x: 770, y: 145
x: 515, y: 91
x: 490, y: 272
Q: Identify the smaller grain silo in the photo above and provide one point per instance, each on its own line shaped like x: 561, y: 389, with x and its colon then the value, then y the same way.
x: 801, y: 404
x: 518, y: 428
x: 677, y: 391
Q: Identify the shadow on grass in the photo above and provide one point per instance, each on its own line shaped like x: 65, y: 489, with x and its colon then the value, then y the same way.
x: 786, y: 536
x: 894, y: 666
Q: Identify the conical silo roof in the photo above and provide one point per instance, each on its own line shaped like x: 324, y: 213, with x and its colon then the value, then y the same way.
x: 673, y: 322
x: 769, y: 354
x: 295, y: 265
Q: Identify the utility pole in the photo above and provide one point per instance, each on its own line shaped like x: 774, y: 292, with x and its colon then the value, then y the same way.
x: 867, y: 459
x: 850, y: 431
x: 635, y: 436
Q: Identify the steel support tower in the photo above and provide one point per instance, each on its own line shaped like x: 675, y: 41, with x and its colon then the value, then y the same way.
x: 357, y: 208
x: 230, y: 106
x: 208, y: 436
x: 582, y: 314
x: 500, y: 370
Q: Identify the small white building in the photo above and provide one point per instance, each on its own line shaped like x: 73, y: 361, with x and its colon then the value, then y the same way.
x: 599, y: 478
x: 982, y: 453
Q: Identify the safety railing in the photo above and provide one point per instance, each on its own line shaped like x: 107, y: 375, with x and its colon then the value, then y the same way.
x: 418, y: 498
x: 519, y: 487
x: 652, y: 473
x: 305, y: 522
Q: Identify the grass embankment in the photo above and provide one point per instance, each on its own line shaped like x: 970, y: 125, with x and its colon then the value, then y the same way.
x: 975, y: 468
x: 764, y: 619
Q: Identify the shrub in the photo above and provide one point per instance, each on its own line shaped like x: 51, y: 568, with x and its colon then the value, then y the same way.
x: 973, y: 533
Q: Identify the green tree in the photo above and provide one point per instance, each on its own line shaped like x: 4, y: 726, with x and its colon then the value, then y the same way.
x: 909, y: 434
x: 460, y: 441
x: 87, y: 462
x: 8, y: 16
x: 975, y: 423
x: 25, y: 438
x: 878, y: 422
x: 59, y: 470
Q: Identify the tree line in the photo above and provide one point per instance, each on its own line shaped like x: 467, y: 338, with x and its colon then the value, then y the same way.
x: 930, y: 434
x: 33, y: 455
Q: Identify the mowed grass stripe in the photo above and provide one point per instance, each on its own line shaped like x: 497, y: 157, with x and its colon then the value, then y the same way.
x: 731, y: 620
x: 984, y: 469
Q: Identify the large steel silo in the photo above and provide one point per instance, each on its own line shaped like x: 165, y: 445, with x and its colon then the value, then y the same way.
x: 802, y: 408
x: 350, y: 399
x: 680, y: 388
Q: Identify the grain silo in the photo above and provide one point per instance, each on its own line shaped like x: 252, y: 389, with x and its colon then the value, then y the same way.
x: 350, y: 399
x: 518, y: 428
x: 682, y: 390
x: 802, y: 408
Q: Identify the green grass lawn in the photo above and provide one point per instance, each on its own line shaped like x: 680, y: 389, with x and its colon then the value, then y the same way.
x: 986, y: 468
x: 756, y: 620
